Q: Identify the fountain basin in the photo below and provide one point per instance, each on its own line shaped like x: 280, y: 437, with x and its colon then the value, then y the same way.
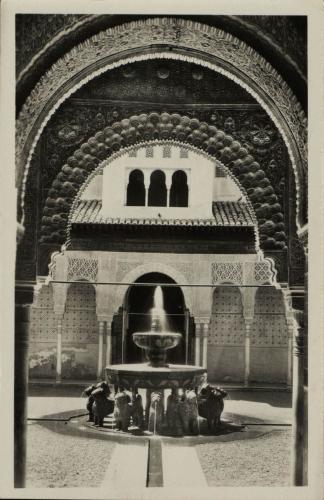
x: 133, y: 376
x: 156, y: 344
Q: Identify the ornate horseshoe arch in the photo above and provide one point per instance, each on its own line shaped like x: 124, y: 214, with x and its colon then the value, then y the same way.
x: 170, y: 39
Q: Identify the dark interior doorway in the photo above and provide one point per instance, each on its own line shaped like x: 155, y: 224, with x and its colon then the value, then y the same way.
x: 139, y: 301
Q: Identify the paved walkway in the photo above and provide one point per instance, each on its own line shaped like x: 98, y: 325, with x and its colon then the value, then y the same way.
x: 181, y: 467
x: 128, y: 464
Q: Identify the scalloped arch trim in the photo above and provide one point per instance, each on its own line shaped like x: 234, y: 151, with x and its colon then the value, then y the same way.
x: 180, y: 130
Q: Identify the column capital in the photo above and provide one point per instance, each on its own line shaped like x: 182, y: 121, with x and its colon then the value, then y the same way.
x: 168, y: 178
x: 205, y: 329
x: 147, y: 178
x: 248, y: 323
x: 104, y: 317
x: 202, y: 320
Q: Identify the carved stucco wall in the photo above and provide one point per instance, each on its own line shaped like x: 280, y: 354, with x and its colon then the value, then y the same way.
x: 227, y: 326
x: 269, y: 337
x: 79, y: 334
x: 77, y: 120
x: 86, y: 304
x: 37, y: 35
x: 43, y: 332
x: 261, y: 77
x: 184, y: 269
x: 242, y: 166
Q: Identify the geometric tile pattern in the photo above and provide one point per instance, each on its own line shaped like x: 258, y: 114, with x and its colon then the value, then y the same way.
x: 262, y: 272
x: 80, y: 322
x: 42, y: 319
x: 227, y: 325
x: 269, y: 327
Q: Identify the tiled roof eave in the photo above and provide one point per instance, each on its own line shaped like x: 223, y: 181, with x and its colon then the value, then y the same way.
x: 226, y: 214
x: 165, y: 224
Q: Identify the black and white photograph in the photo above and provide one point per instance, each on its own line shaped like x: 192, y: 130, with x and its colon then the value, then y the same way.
x: 161, y: 300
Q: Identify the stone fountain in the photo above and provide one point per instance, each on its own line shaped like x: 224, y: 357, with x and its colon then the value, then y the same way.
x: 158, y: 340
x: 156, y: 374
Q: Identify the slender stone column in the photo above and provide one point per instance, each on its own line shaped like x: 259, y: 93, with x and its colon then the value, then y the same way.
x: 247, y: 351
x: 187, y: 335
x: 147, y: 180
x: 299, y: 417
x: 59, y: 350
x: 205, y: 344
x: 168, y: 183
x: 101, y: 325
x: 248, y: 302
x: 23, y: 298
x: 124, y: 328
x: 290, y: 329
x: 197, y: 344
x: 108, y: 342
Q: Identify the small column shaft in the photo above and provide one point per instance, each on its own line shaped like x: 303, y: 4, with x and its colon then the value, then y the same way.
x: 100, y: 349
x: 59, y: 351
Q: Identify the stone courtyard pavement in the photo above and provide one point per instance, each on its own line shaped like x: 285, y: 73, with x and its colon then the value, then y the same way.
x: 59, y: 455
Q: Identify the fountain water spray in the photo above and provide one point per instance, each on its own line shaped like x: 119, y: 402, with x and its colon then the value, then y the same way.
x: 158, y: 340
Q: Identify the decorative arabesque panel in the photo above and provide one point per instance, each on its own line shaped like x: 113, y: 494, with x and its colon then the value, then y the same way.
x: 263, y: 272
x: 80, y: 321
x: 43, y: 324
x: 80, y: 268
x: 225, y: 272
x: 269, y: 327
x: 227, y: 327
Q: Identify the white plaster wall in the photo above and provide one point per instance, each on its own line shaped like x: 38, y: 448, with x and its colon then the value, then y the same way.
x: 225, y: 189
x: 204, y: 188
x: 94, y: 190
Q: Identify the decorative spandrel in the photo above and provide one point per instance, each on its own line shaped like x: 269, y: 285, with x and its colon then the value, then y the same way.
x: 81, y: 268
x: 223, y: 272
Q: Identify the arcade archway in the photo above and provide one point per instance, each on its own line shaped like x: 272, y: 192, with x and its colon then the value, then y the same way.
x: 135, y: 316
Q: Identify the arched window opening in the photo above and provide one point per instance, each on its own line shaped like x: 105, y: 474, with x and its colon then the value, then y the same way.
x: 136, y: 189
x: 179, y: 190
x: 157, y: 195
